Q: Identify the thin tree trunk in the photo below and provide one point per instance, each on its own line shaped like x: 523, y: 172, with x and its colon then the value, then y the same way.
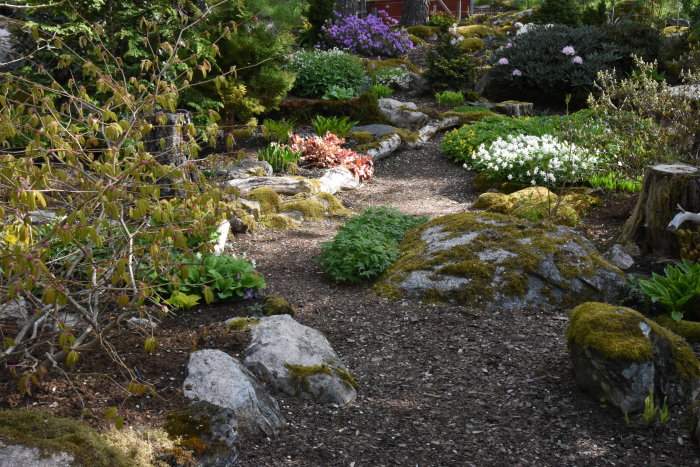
x: 346, y: 7
x: 415, y: 12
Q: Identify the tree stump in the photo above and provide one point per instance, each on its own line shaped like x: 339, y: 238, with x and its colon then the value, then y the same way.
x: 665, y: 187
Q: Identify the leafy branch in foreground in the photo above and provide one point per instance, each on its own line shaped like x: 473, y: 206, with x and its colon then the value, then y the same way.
x: 123, y: 212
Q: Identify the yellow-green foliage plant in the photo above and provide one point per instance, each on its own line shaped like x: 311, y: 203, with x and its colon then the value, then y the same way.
x: 120, y: 227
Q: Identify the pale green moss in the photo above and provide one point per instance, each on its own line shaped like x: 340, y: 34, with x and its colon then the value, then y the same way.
x: 334, y: 208
x: 466, y: 117
x: 300, y: 375
x: 417, y: 41
x: 242, y: 133
x: 278, y: 222
x: 310, y: 208
x: 278, y: 306
x: 241, y: 324
x: 362, y: 137
x: 475, y: 30
x: 690, y: 330
x: 268, y: 199
x: 493, y: 202
x: 471, y: 44
x: 371, y: 65
x: 615, y: 332
x: 422, y: 31
x: 50, y: 434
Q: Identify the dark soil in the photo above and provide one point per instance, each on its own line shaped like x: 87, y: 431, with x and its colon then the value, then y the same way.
x: 438, y: 385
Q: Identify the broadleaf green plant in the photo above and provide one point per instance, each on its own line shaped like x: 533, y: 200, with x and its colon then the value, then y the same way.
x: 679, y: 285
x: 282, y: 158
x: 367, y: 244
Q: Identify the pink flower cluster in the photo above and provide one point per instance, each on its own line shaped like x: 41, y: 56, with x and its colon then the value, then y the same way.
x: 327, y: 152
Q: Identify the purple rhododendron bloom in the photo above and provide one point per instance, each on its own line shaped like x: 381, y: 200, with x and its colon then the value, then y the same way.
x: 369, y: 36
x: 577, y: 59
x: 503, y: 61
x: 517, y: 72
x: 568, y: 50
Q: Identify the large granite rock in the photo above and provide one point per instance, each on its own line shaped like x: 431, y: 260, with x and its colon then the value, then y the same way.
x: 620, y: 355
x: 402, y: 114
x: 501, y: 262
x: 14, y: 455
x: 215, y: 377
x: 299, y: 361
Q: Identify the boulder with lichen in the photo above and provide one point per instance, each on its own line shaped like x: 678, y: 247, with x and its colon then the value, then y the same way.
x: 620, y: 355
x: 500, y: 262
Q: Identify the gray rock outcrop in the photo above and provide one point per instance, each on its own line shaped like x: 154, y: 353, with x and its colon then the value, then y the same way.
x: 215, y: 377
x: 14, y: 455
x: 402, y: 114
x: 298, y: 360
x: 501, y: 262
x: 619, y: 355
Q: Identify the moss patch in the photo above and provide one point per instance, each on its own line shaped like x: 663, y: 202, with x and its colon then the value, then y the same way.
x: 474, y: 30
x: 278, y: 306
x: 51, y: 434
x: 362, y: 137
x: 467, y: 117
x: 616, y: 332
x: 278, y: 222
x: 471, y: 44
x: 268, y: 199
x: 422, y: 31
x: 417, y: 41
x: 241, y: 324
x: 690, y: 330
x: 334, y: 208
x: 491, y: 256
x: 309, y: 208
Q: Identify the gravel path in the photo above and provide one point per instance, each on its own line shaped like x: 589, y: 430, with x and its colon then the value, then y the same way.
x: 439, y: 385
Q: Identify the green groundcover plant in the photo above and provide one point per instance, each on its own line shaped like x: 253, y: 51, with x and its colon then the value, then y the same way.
x: 367, y: 244
x: 679, y: 285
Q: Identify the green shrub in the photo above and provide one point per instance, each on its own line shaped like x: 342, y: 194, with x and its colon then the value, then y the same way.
x: 281, y: 158
x: 318, y: 13
x: 318, y: 70
x: 449, y: 67
x: 364, y: 109
x: 549, y: 63
x: 566, y: 12
x: 676, y: 289
x: 380, y: 92
x: 449, y: 98
x: 277, y: 131
x: 339, y: 126
x: 367, y: 244
x: 633, y: 39
x: 594, y: 15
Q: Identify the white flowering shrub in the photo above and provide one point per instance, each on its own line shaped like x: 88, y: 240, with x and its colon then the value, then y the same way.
x: 537, y: 160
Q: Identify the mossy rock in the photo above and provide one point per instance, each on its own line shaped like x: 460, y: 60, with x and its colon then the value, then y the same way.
x: 622, y: 356
x: 536, y: 204
x: 471, y: 44
x: 474, y: 30
x: 689, y: 330
x: 268, y: 199
x: 317, y: 207
x: 497, y: 261
x: 466, y: 118
x: 283, y: 221
x: 53, y: 435
x: 278, y: 306
x: 240, y: 323
x: 362, y: 137
x: 423, y: 31
x: 417, y: 41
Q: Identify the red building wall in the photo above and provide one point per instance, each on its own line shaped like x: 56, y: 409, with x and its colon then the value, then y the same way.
x: 394, y: 7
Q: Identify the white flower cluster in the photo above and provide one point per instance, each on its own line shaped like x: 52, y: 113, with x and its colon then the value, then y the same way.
x: 533, y: 159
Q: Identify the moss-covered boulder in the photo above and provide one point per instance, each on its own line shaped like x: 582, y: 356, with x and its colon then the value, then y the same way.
x: 37, y: 438
x: 501, y: 262
x: 535, y: 204
x: 474, y: 30
x: 316, y: 207
x: 620, y: 355
x: 471, y: 44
